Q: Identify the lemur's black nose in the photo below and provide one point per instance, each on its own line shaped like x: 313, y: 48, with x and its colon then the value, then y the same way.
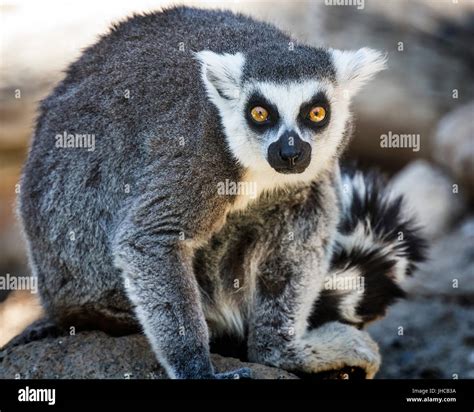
x: 289, y: 154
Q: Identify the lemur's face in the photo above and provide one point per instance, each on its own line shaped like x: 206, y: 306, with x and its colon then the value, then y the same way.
x: 285, y: 112
x: 283, y: 123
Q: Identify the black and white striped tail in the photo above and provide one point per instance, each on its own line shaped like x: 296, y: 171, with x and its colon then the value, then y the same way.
x: 376, y: 247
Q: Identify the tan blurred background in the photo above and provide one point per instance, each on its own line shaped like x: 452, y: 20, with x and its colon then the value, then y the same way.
x: 427, y: 90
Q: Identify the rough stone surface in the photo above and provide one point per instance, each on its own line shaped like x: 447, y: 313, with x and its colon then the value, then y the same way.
x: 448, y: 273
x: 430, y: 197
x: 95, y: 355
x: 437, y: 341
x: 453, y: 145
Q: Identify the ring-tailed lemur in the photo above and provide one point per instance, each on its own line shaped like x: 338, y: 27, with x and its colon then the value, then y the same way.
x: 177, y: 102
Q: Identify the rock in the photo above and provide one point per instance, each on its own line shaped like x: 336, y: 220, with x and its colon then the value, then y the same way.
x: 430, y: 196
x: 95, y: 355
x: 448, y: 273
x: 454, y: 144
x: 437, y: 340
x: 223, y: 364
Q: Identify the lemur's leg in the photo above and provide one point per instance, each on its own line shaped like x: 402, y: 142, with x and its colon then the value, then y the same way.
x: 158, y: 276
x: 278, y: 334
x: 161, y: 284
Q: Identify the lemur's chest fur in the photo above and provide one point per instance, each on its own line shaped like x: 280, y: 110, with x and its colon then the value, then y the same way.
x: 253, y: 183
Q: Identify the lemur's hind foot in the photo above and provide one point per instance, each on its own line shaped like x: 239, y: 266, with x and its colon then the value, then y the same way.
x: 332, y: 348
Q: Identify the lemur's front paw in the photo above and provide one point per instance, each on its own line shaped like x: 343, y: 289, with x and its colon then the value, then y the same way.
x: 243, y: 373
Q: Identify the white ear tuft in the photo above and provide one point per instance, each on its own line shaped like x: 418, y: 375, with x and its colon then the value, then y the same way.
x: 221, y: 74
x: 355, y: 68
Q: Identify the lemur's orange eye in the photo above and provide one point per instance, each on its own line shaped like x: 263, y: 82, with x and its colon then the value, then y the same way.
x: 259, y: 114
x: 317, y: 114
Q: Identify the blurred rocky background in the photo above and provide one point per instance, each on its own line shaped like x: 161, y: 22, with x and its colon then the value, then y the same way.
x: 427, y: 94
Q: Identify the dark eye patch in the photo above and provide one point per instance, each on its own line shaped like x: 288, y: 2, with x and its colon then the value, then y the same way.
x: 319, y: 99
x: 273, y: 117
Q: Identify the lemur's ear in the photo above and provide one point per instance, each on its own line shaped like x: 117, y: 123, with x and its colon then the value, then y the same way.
x: 355, y: 68
x: 221, y: 74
